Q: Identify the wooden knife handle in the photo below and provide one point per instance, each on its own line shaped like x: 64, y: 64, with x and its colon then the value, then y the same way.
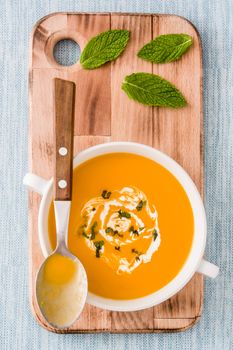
x: 64, y: 97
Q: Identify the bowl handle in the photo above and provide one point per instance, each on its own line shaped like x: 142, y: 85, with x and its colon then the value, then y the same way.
x: 208, y: 269
x: 36, y: 183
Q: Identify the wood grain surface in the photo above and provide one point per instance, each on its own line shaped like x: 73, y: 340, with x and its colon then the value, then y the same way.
x: 103, y: 113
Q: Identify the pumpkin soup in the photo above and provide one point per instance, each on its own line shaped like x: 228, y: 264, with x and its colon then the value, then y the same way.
x: 131, y: 225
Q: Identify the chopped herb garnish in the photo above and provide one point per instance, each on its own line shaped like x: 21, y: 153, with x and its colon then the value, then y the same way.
x: 92, y: 236
x: 140, y: 205
x: 85, y: 235
x: 117, y: 233
x: 83, y: 226
x: 93, y: 232
x: 118, y: 248
x: 135, y: 251
x: 109, y: 230
x: 124, y: 214
x: 141, y: 228
x: 113, y: 232
x: 98, y: 246
x: 135, y: 232
x: 106, y: 194
x: 81, y: 229
x: 154, y: 234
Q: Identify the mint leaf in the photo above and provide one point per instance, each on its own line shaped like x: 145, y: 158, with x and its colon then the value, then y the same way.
x: 106, y: 46
x: 152, y: 90
x: 166, y: 48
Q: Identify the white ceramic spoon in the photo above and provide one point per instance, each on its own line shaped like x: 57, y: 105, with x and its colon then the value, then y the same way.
x: 61, y: 282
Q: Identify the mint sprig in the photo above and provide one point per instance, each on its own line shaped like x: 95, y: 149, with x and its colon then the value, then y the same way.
x: 152, y: 90
x: 105, y: 47
x: 166, y: 48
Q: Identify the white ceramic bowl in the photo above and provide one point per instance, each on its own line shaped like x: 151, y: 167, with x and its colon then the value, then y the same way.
x: 194, y: 262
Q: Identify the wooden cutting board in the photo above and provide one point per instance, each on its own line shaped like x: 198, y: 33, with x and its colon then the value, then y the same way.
x: 104, y: 113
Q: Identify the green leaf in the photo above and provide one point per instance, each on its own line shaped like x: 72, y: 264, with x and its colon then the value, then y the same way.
x: 93, y: 232
x: 109, y: 230
x: 106, y: 194
x: 85, y: 235
x: 152, y: 90
x: 124, y: 214
x: 140, y: 205
x: 98, y: 245
x: 106, y: 46
x: 154, y: 234
x: 166, y: 48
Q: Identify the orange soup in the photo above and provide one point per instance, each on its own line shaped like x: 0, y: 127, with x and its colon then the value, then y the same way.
x: 131, y: 225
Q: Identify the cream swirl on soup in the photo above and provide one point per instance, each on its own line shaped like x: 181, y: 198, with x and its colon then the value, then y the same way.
x: 121, y: 227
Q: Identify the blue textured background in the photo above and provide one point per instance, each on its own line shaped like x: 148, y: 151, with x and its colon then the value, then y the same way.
x: 214, y: 20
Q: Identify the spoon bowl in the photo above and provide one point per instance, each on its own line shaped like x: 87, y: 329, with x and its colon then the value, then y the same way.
x: 61, y: 288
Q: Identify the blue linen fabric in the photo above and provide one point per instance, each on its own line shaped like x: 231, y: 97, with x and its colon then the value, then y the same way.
x: 214, y: 20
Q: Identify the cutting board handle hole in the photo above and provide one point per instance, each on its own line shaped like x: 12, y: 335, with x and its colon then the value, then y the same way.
x: 66, y: 52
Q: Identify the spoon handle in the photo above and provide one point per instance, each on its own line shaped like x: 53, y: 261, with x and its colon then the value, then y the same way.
x: 64, y: 97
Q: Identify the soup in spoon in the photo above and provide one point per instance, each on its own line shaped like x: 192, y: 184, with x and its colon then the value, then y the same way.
x: 59, y: 282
